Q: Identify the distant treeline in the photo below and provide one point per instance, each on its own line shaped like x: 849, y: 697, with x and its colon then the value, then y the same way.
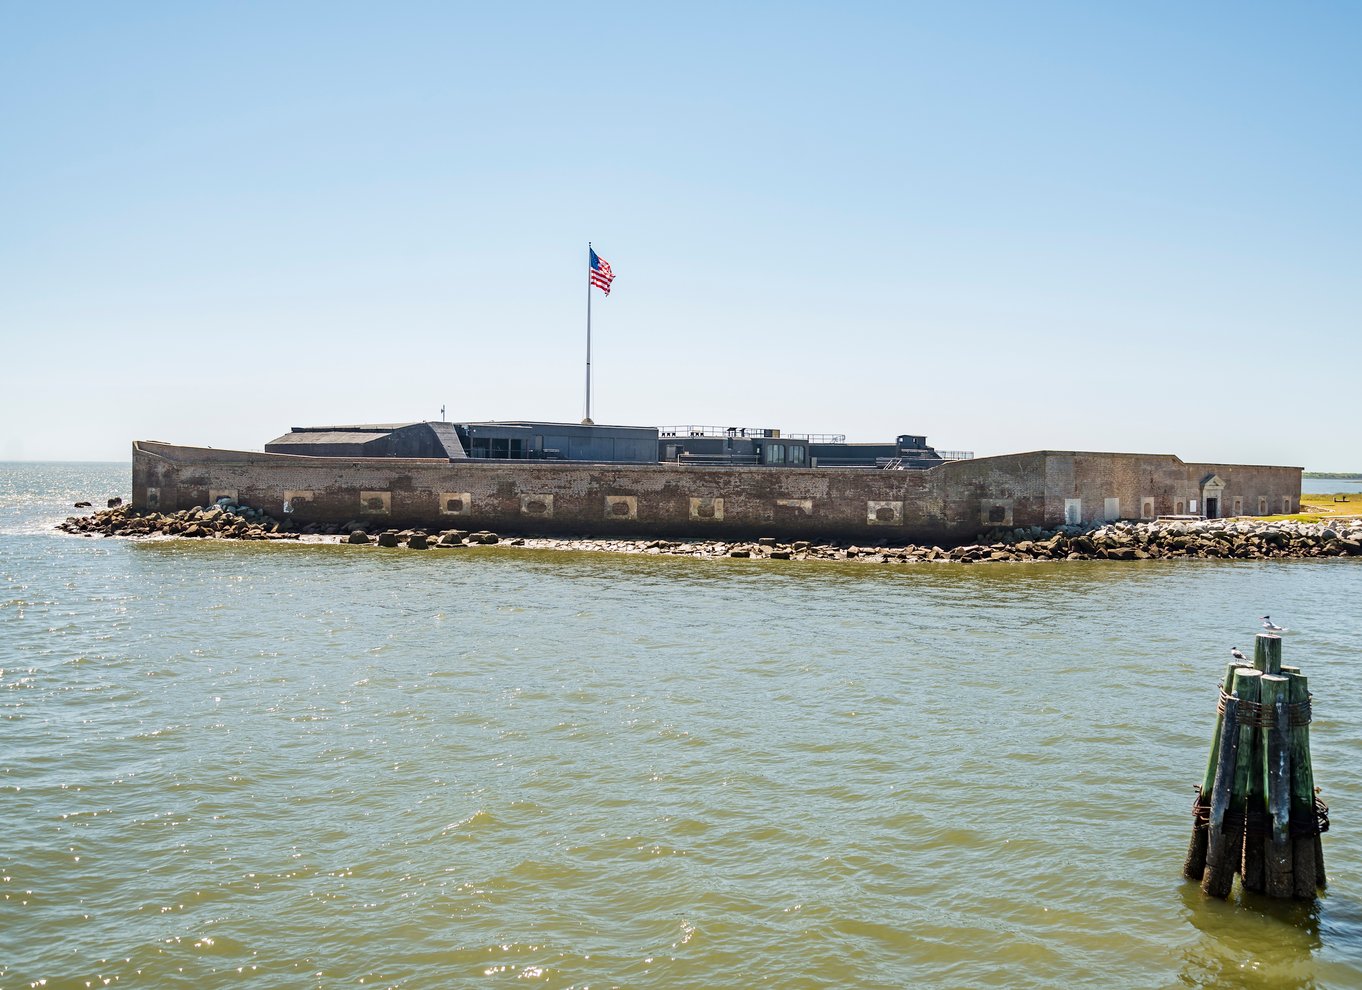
x: 1339, y: 475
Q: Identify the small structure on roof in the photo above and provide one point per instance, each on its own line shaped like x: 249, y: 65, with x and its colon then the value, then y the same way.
x: 425, y: 439
x: 520, y: 439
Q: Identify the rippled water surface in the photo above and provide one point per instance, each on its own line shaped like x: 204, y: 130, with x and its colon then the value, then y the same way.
x: 326, y: 766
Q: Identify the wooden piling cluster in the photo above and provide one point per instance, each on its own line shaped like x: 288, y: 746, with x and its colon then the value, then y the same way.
x: 1256, y: 812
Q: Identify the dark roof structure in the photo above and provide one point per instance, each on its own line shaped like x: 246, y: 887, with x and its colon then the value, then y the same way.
x: 519, y: 440
x: 425, y: 439
x: 310, y: 436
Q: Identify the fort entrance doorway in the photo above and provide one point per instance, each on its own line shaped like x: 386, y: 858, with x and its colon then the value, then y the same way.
x: 1212, y: 491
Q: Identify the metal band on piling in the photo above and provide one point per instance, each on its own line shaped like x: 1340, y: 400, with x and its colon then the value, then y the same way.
x: 1262, y: 716
x: 1260, y: 822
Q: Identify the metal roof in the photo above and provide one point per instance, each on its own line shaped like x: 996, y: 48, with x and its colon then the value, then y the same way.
x: 353, y: 428
x: 326, y: 436
x: 541, y: 422
x: 449, y: 436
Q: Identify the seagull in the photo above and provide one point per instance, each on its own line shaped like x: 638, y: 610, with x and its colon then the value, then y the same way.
x: 1234, y: 652
x: 1270, y: 626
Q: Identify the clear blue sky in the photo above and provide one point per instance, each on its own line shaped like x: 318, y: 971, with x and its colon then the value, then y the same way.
x: 1007, y: 226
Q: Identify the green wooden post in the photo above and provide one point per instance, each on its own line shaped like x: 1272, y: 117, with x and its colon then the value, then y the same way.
x: 1275, y: 745
x: 1247, y: 684
x: 1252, y: 870
x: 1306, y: 851
x: 1218, y: 873
x: 1226, y: 843
x: 1195, y: 864
x: 1267, y: 653
x: 1226, y: 685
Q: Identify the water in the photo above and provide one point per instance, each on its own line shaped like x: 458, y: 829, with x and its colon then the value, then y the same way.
x: 286, y: 766
x: 1328, y: 486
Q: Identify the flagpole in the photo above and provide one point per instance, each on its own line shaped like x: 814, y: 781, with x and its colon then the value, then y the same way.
x: 588, y: 333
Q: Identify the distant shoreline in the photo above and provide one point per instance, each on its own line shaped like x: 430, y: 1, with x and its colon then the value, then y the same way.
x: 1332, y: 476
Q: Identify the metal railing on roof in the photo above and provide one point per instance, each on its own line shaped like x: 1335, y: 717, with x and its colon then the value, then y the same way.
x: 955, y: 455
x: 819, y: 437
x: 717, y: 459
x: 716, y: 431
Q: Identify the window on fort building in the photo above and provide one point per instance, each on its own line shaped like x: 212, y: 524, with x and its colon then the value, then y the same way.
x: 797, y: 454
x: 775, y: 453
x: 1262, y: 505
x: 1286, y: 505
x: 479, y: 447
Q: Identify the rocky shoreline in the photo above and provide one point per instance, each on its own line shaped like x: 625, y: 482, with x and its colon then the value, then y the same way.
x: 1236, y: 539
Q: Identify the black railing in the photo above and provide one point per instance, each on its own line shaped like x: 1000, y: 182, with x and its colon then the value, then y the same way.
x: 669, y: 432
x: 717, y: 459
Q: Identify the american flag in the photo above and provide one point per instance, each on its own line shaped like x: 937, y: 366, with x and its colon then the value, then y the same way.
x: 601, y: 275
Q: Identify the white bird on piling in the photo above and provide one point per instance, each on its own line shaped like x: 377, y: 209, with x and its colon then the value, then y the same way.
x: 1234, y: 652
x: 1270, y: 626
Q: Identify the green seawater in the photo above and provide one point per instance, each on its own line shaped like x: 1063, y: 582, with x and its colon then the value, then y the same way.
x: 317, y: 766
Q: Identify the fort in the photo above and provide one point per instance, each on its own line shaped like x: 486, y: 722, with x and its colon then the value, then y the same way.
x: 700, y: 482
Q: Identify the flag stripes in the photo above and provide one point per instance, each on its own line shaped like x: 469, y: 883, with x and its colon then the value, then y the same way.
x: 601, y: 275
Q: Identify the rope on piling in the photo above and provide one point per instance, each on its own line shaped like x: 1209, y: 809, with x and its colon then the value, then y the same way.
x: 1259, y: 822
x: 1264, y: 716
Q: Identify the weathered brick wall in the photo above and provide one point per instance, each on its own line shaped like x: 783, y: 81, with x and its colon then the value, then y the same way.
x: 1161, y: 484
x: 946, y: 504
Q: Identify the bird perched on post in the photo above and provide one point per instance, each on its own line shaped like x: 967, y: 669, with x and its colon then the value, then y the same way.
x: 1270, y: 626
x: 1234, y: 652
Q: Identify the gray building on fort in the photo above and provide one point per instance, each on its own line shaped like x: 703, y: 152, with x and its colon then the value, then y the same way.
x: 589, y: 442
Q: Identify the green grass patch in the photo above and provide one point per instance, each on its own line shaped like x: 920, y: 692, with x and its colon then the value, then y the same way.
x: 1322, y: 508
